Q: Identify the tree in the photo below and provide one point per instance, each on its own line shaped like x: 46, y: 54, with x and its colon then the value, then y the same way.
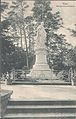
x: 7, y: 46
x: 6, y: 51
x: 72, y: 53
x: 73, y: 31
x: 11, y: 55
x: 40, y: 9
x: 58, y: 50
x: 17, y: 20
x: 71, y: 56
x: 18, y: 58
x: 42, y: 12
x: 30, y: 31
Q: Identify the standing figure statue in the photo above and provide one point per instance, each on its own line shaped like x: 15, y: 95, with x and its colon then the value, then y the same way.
x: 41, y: 37
x: 41, y: 68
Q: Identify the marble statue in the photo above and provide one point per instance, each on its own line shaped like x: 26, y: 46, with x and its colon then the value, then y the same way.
x: 41, y: 68
x: 41, y: 36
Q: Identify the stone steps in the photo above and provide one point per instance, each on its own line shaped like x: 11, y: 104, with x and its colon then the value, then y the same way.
x: 41, y: 116
x: 40, y: 83
x: 42, y: 102
x: 44, y: 109
x: 33, y: 109
x: 41, y: 107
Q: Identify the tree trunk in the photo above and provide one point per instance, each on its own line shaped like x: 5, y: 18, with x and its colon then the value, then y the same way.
x: 24, y: 35
x: 21, y: 38
x: 26, y: 47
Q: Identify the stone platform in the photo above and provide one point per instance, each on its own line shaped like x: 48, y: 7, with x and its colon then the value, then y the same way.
x: 42, y: 92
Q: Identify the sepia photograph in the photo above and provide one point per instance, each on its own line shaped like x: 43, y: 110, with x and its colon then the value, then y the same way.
x: 37, y: 59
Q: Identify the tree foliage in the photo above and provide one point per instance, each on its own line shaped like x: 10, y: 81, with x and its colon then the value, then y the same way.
x: 42, y: 12
x: 6, y: 45
x: 11, y: 56
x: 18, y: 25
x: 73, y: 31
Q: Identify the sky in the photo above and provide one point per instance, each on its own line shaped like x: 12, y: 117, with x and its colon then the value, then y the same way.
x: 67, y: 11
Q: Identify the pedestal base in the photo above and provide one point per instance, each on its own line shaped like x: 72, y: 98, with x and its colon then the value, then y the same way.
x: 42, y: 71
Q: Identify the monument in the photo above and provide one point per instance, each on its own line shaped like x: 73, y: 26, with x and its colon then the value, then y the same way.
x: 41, y: 69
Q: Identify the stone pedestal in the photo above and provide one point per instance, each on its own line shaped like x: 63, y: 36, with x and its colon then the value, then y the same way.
x: 41, y: 69
x: 4, y: 98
